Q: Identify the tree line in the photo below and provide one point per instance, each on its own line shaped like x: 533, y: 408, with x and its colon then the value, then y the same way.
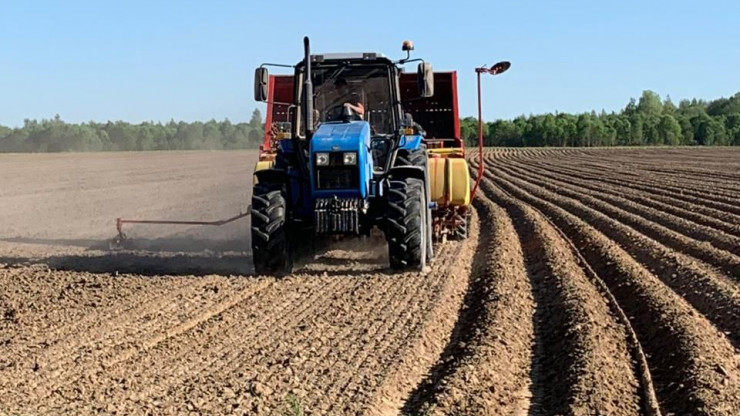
x: 55, y: 135
x: 648, y: 121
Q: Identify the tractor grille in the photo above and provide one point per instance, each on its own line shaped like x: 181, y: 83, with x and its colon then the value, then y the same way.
x: 338, y: 177
x: 339, y: 216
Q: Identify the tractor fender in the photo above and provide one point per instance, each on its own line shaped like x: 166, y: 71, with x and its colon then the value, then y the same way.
x: 408, y: 172
x: 262, y: 165
x: 271, y: 175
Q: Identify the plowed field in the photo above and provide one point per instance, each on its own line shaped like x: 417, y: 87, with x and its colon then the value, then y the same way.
x: 602, y: 281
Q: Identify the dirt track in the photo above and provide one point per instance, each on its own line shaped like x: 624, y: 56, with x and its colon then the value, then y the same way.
x: 594, y: 282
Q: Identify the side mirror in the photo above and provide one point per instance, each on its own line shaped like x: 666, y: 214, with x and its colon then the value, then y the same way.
x: 425, y: 80
x: 261, y: 78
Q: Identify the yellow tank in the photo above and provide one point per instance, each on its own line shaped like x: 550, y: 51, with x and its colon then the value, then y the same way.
x: 449, y: 177
x: 437, y: 182
x: 458, y: 181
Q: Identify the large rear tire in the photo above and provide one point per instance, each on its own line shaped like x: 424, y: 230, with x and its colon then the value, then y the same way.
x: 415, y: 157
x: 406, y: 223
x: 271, y: 249
x: 419, y: 158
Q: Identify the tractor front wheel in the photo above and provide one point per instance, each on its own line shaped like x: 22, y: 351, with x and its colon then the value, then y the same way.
x: 406, y: 223
x: 271, y: 249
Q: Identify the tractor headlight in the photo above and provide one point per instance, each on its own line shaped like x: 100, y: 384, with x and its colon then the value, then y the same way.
x: 350, y: 158
x: 322, y: 159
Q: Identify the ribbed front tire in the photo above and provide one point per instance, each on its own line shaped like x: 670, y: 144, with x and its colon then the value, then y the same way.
x: 271, y: 249
x: 406, y: 223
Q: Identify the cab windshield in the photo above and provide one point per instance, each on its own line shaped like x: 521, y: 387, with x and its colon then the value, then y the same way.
x: 364, y: 87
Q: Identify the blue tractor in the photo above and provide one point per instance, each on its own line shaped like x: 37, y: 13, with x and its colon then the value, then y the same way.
x: 348, y: 160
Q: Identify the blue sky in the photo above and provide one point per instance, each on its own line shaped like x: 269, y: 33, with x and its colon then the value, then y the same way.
x: 183, y: 60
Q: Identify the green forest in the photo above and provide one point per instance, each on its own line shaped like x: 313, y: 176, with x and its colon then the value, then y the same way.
x: 57, y: 136
x: 648, y: 121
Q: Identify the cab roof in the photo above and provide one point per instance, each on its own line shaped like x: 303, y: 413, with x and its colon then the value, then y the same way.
x: 346, y: 56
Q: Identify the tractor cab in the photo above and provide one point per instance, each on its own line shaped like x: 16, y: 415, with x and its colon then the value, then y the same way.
x: 353, y: 89
x: 355, y: 104
x: 345, y: 87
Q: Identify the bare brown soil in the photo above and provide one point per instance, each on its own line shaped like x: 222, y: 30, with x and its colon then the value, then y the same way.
x: 595, y: 281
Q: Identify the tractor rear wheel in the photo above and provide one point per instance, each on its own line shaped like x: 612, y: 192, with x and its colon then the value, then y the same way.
x: 271, y: 249
x: 419, y: 158
x: 406, y: 218
x: 415, y: 157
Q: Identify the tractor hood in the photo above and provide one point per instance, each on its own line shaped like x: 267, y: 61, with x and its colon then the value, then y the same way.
x: 345, y: 135
x: 338, y: 179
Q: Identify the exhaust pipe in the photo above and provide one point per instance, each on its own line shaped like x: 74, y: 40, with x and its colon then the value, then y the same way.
x: 307, y: 89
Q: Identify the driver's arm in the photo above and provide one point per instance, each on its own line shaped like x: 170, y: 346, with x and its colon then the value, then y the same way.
x: 357, y: 107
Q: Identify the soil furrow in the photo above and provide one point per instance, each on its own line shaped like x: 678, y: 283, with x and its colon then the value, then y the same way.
x: 146, y: 329
x: 350, y: 334
x: 597, y: 371
x: 649, y: 402
x: 70, y: 304
x: 268, y: 321
x: 730, y: 211
x: 689, y: 187
x: 62, y: 342
x: 658, y: 165
x: 715, y: 178
x: 65, y: 382
x: 684, y: 351
x: 712, y: 294
x: 274, y: 313
x: 486, y: 369
x: 413, y: 361
x: 644, y: 222
x: 697, y: 180
x: 723, y: 217
x: 728, y: 230
x: 438, y: 301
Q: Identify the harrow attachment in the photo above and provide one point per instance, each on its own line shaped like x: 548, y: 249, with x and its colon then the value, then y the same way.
x: 122, y: 242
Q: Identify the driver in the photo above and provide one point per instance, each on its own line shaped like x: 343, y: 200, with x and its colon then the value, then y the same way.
x: 350, y: 99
